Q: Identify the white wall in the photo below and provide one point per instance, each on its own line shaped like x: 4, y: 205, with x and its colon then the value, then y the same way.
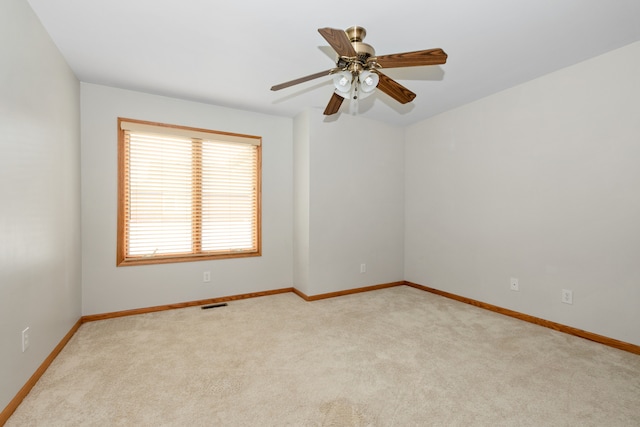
x: 107, y: 288
x: 301, y: 197
x: 539, y: 182
x: 39, y: 193
x: 353, y: 201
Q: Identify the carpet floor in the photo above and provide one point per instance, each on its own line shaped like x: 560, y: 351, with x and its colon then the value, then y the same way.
x: 392, y: 357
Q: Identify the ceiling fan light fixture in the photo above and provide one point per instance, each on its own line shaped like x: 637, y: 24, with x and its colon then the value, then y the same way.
x: 343, y: 82
x: 368, y: 81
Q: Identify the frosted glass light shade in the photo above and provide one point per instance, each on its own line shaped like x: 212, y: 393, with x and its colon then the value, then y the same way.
x: 368, y: 81
x: 343, y: 82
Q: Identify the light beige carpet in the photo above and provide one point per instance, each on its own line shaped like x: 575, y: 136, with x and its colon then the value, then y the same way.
x: 393, y: 357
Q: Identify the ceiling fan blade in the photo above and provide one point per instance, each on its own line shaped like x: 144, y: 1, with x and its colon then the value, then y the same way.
x: 394, y: 89
x: 301, y: 80
x: 334, y: 104
x: 339, y: 41
x: 413, y: 59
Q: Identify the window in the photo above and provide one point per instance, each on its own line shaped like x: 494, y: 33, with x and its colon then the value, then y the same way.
x: 186, y: 194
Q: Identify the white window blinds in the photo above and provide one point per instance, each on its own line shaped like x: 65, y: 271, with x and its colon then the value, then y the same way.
x: 187, y: 194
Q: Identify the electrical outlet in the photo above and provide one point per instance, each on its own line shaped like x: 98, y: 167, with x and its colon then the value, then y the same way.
x: 567, y: 296
x: 363, y: 268
x: 514, y: 284
x: 25, y: 339
x: 206, y: 276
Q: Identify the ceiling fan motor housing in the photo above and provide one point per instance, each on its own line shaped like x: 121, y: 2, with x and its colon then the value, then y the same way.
x: 364, y: 51
x: 356, y: 34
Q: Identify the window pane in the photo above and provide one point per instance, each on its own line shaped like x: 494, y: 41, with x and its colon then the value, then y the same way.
x: 228, y: 196
x: 160, y: 195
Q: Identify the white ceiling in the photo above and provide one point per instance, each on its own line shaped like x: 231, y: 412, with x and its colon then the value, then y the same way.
x: 231, y: 52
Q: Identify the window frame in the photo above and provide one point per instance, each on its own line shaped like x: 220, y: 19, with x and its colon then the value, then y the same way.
x: 122, y: 258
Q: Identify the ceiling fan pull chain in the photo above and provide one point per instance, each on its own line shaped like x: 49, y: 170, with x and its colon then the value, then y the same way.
x: 353, y: 107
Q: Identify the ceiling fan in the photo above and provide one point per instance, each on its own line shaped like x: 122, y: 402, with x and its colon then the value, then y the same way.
x: 357, y: 71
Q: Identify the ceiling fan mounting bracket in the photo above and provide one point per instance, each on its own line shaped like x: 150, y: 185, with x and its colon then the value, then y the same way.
x: 356, y: 33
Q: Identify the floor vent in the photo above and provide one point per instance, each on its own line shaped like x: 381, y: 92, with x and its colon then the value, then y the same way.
x: 204, y: 307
